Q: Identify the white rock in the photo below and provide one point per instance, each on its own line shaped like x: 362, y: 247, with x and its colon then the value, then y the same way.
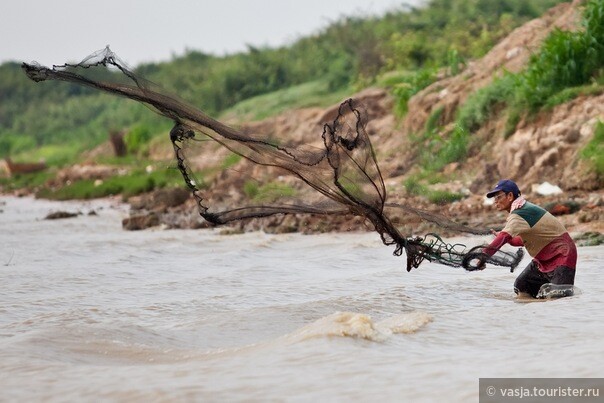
x: 546, y: 189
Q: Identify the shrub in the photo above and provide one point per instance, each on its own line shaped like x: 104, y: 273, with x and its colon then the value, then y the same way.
x: 414, y: 187
x: 443, y: 197
x: 137, y: 137
x: 29, y: 181
x: 564, y: 61
x: 250, y: 188
x: 230, y: 160
x: 480, y: 106
x: 571, y: 93
x: 409, y: 85
x: 11, y: 144
x: 440, y: 151
x: 432, y: 123
x: 272, y: 191
x: 558, y: 72
x: 132, y: 184
x: 593, y: 152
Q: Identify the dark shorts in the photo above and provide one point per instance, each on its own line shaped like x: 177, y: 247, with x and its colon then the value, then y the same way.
x: 531, y: 279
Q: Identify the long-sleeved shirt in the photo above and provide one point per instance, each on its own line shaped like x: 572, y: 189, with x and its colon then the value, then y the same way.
x: 543, y: 236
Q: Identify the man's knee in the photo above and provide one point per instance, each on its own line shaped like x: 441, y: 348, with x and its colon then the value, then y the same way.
x: 563, y: 275
x: 529, y: 281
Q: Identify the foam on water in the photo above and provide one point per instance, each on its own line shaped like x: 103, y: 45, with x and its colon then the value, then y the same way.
x: 360, y: 326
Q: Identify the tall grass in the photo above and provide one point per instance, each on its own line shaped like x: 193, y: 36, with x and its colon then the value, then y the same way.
x: 51, y: 154
x: 315, y: 93
x: 480, y: 106
x: 414, y: 186
x: 593, y: 152
x: 137, y: 138
x: 405, y: 85
x: 134, y: 183
x: 231, y: 160
x: 268, y: 192
x: 568, y: 64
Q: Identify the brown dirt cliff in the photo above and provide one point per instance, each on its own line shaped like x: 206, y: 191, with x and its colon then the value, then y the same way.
x: 542, y: 149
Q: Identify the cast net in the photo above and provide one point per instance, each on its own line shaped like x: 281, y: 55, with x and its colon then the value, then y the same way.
x: 337, y: 174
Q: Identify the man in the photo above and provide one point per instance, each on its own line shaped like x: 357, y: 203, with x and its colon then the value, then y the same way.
x: 545, y: 239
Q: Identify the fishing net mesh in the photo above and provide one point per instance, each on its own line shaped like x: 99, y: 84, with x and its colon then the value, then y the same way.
x: 339, y: 172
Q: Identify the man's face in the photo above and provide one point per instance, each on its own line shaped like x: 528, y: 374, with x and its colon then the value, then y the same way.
x: 503, y: 201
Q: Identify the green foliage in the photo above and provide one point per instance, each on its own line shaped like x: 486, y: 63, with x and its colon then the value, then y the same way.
x: 443, y: 197
x: 513, y: 117
x: 268, y: 192
x: 250, y: 188
x: 567, y: 65
x: 559, y: 71
x: 438, y: 149
x: 137, y: 137
x: 432, y: 123
x: 590, y: 238
x: 454, y: 61
x: 83, y: 190
x: 568, y: 94
x: 479, y: 106
x: 51, y: 154
x: 445, y: 33
x: 414, y: 186
x: 407, y: 85
x: 349, y: 50
x: 230, y: 160
x: 338, y: 73
x: 30, y: 181
x: 134, y: 183
x: 61, y: 114
x: 41, y: 119
x: 454, y: 149
x: 310, y: 94
x: 593, y: 152
x: 565, y: 60
x: 11, y: 144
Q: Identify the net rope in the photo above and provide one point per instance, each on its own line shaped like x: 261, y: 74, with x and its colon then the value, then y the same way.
x: 341, y: 170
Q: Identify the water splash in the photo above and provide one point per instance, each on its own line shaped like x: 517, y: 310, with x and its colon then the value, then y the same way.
x: 360, y: 326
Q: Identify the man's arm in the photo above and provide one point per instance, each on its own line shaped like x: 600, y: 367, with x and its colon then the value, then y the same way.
x: 501, y: 239
x: 516, y: 241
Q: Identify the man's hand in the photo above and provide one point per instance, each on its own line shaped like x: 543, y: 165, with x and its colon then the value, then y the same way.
x: 481, y: 264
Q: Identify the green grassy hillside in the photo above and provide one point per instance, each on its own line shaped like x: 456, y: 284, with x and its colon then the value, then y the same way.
x: 56, y: 121
x: 402, y: 50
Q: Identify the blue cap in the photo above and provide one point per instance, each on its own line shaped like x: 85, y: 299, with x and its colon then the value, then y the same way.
x: 506, y: 186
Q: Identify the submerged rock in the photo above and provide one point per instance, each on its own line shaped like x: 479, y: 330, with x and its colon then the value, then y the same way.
x: 160, y: 199
x: 60, y: 214
x: 140, y: 222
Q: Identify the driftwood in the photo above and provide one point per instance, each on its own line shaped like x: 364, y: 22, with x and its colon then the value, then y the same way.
x: 14, y: 168
x: 117, y: 141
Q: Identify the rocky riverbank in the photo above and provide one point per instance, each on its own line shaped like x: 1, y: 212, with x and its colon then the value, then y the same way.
x: 581, y: 212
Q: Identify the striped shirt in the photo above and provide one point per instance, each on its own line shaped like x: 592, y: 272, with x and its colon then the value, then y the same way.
x: 543, y: 236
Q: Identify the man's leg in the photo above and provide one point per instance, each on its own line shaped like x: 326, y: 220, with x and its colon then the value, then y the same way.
x: 530, y: 280
x: 563, y: 275
x: 560, y: 285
